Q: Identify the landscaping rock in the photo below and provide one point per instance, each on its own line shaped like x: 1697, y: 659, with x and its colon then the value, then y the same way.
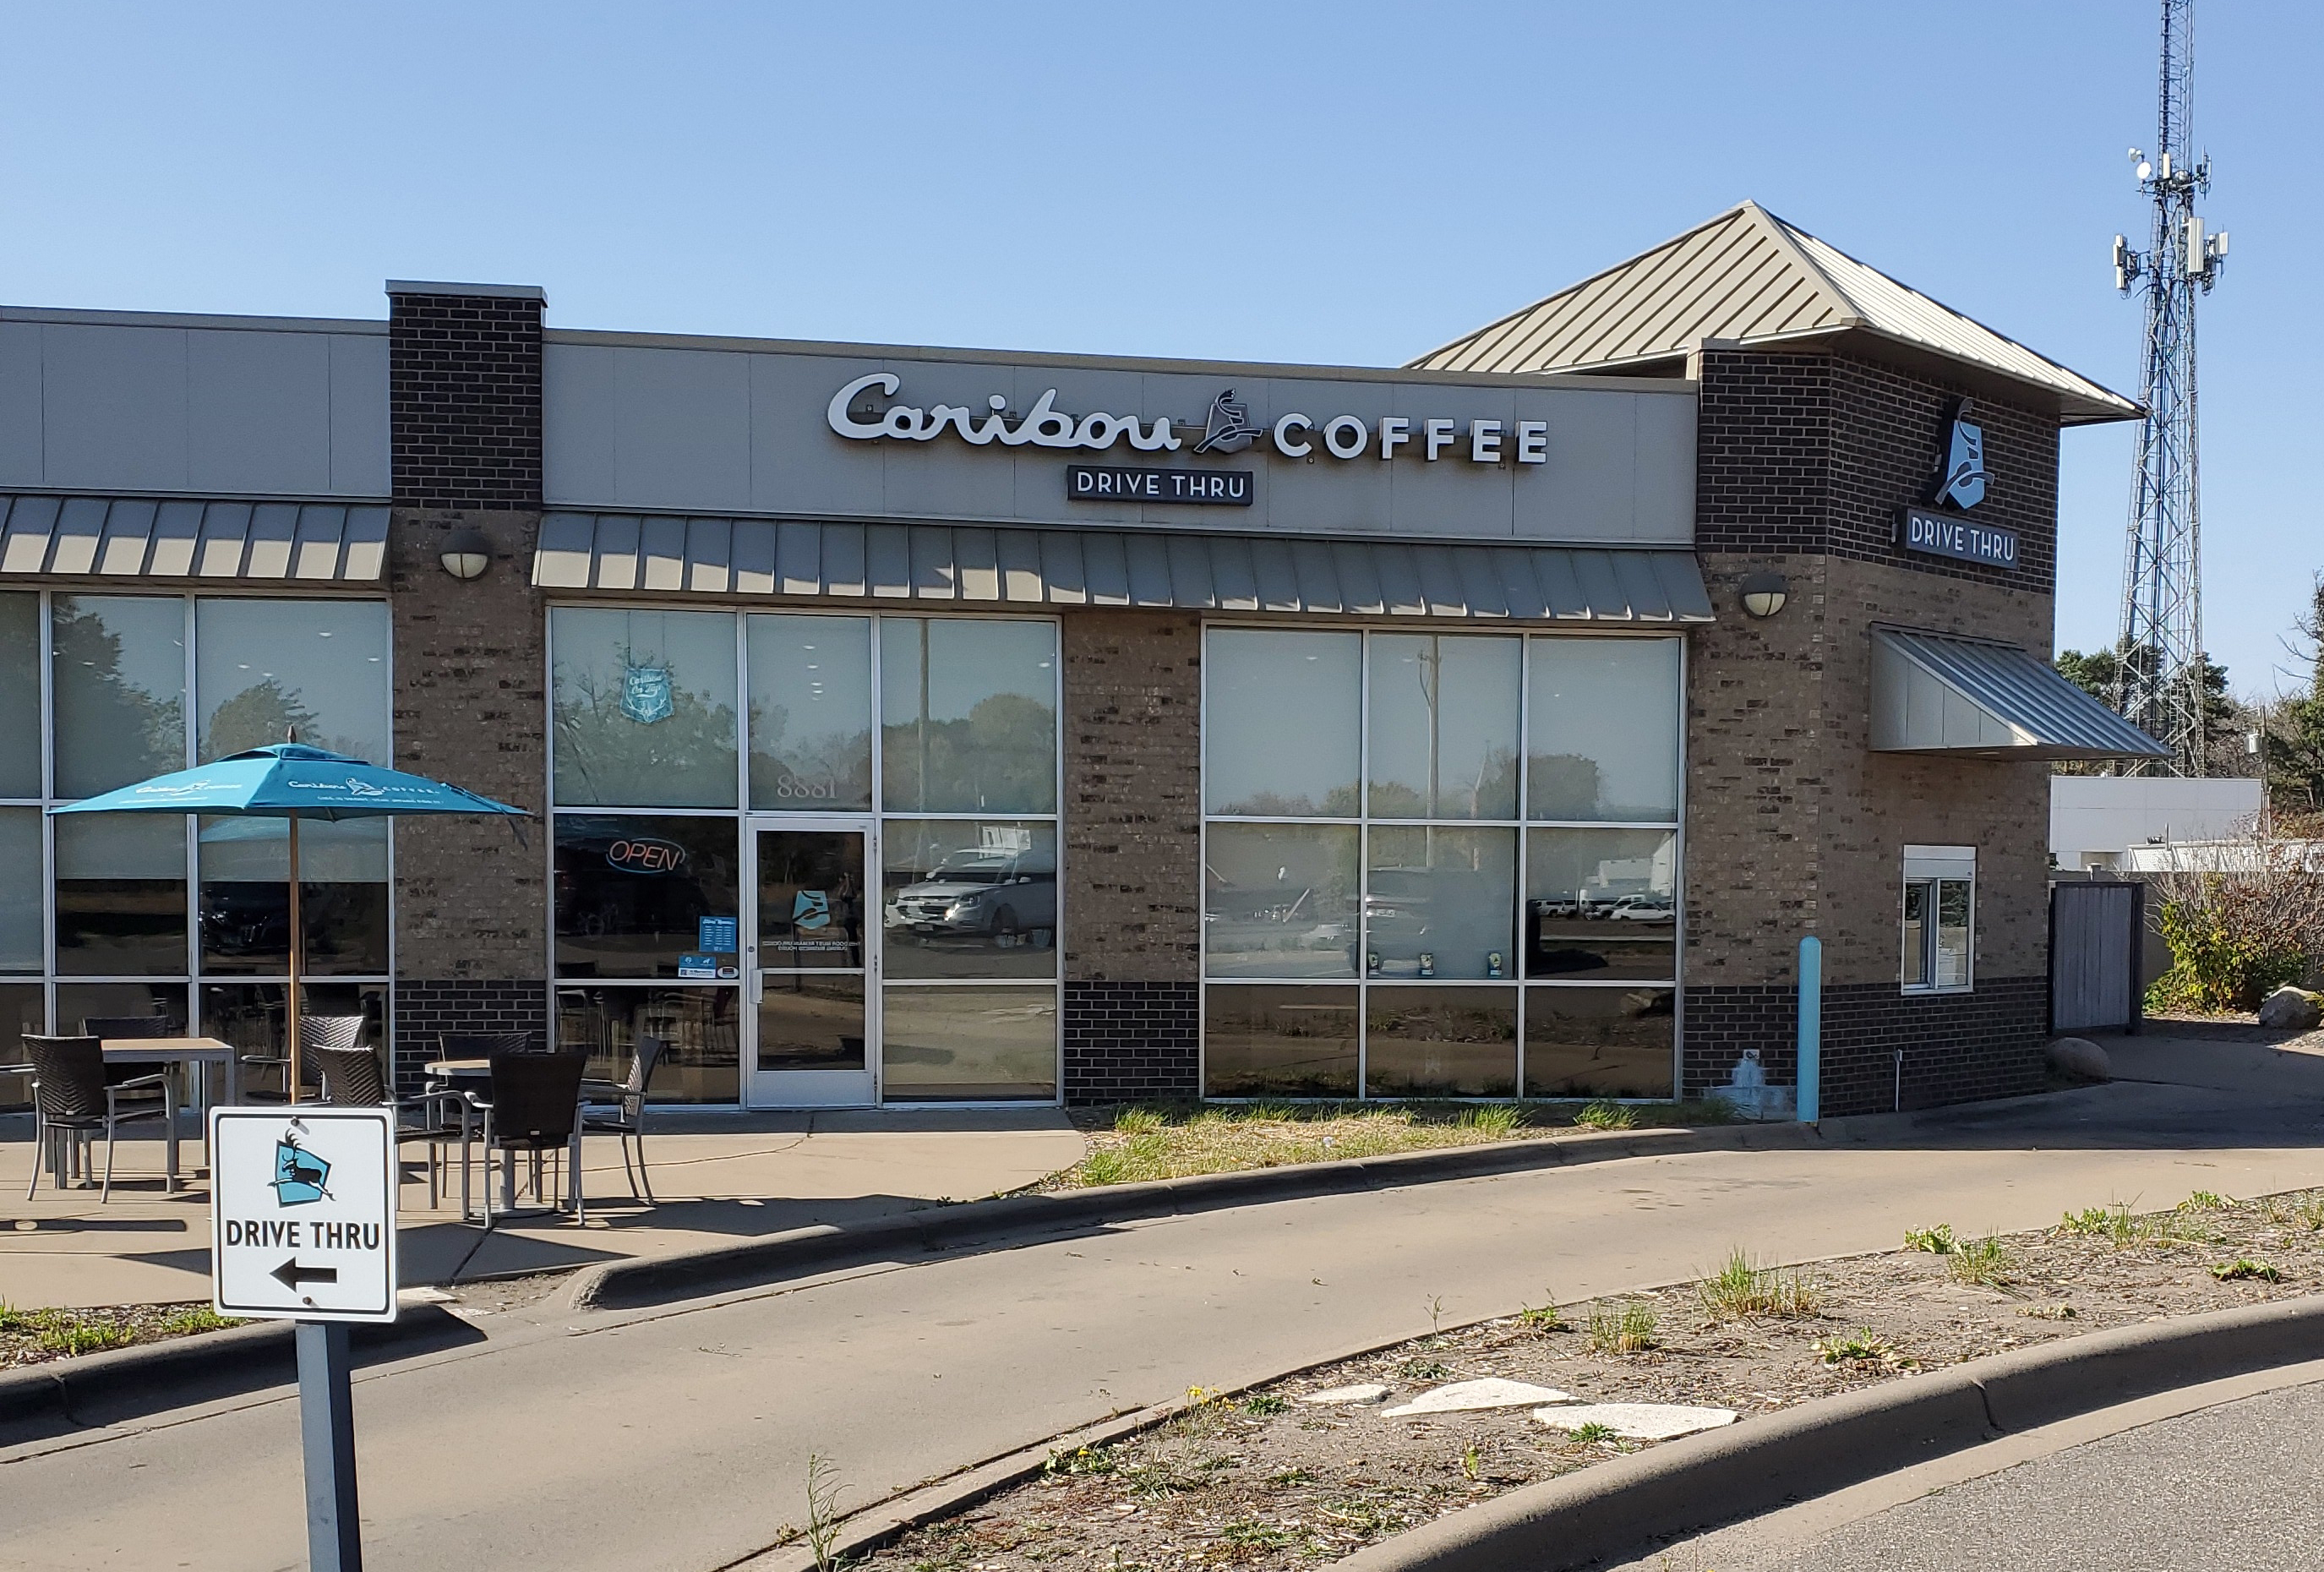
x: 2290, y: 1009
x: 1638, y: 1422
x: 1368, y: 1391
x: 1473, y: 1396
x: 2078, y: 1055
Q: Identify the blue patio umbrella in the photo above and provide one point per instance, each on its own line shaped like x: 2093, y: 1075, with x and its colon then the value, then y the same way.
x: 293, y: 782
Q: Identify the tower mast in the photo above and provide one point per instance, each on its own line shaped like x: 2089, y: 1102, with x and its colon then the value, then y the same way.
x: 2159, y: 685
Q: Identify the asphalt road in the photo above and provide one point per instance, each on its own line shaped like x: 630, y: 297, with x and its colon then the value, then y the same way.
x: 2230, y: 1486
x: 676, y: 1439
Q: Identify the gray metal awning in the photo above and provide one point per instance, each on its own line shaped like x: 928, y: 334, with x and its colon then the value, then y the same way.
x: 1940, y: 693
x: 629, y: 553
x: 124, y: 537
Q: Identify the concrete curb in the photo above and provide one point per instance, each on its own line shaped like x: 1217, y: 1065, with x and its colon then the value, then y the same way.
x: 41, y: 1401
x: 642, y: 1283
x: 1626, y: 1506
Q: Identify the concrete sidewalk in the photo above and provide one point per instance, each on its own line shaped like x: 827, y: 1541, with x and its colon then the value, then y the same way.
x: 719, y: 1177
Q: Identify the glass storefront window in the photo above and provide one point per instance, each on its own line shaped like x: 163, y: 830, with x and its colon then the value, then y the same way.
x: 808, y: 1022
x: 968, y: 715
x: 810, y: 682
x: 1443, y: 727
x: 1440, y: 1042
x: 1279, y: 900
x: 20, y: 694
x: 253, y: 1016
x: 1602, y: 729
x: 21, y: 880
x: 645, y: 705
x: 77, y: 1004
x: 1282, y: 720
x: 702, y: 1027
x: 1598, y: 1043
x: 121, y: 895
x: 264, y: 666
x: 1601, y: 903
x: 22, y: 1012
x: 1271, y: 1041
x: 969, y: 898
x: 969, y: 1044
x: 1438, y: 903
x: 632, y: 891
x: 120, y: 693
x: 245, y: 896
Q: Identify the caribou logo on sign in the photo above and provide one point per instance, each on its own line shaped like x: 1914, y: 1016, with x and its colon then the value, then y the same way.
x: 645, y: 694
x: 1229, y: 429
x: 1960, y: 470
x: 301, y: 1178
x: 811, y: 910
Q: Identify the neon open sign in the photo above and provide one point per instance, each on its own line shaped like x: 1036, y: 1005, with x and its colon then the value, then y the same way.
x: 644, y: 854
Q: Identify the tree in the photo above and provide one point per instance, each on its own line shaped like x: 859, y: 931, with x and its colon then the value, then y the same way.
x: 2101, y: 673
x: 2292, y: 745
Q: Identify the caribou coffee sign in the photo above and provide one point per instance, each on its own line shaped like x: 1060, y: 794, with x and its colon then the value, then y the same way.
x: 855, y: 413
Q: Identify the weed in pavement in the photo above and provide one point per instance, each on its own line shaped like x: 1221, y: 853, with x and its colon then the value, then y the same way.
x: 2244, y: 1267
x: 823, y: 1486
x: 1738, y: 1290
x: 1936, y: 1240
x: 1264, y: 1405
x: 1982, y: 1263
x: 1863, y: 1348
x: 1542, y: 1319
x: 1628, y: 1327
x: 1604, y: 1114
x: 1423, y: 1369
x: 1591, y: 1434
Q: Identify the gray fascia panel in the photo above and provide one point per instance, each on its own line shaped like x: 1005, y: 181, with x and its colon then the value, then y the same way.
x: 1941, y: 694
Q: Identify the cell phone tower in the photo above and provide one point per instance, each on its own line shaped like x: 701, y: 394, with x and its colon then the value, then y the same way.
x: 2160, y: 682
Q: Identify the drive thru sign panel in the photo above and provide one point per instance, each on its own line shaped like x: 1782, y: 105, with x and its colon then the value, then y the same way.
x: 303, y: 1224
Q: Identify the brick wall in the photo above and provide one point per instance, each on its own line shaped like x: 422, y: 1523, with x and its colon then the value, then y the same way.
x: 1132, y: 1042
x: 464, y: 372
x: 463, y: 395
x: 1794, y: 826
x: 1957, y: 1047
x: 424, y: 1011
x: 1132, y: 735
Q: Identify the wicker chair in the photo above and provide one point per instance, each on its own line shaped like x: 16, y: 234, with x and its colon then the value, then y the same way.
x: 534, y: 1107
x: 619, y: 1108
x: 71, y: 1099
x: 352, y: 1078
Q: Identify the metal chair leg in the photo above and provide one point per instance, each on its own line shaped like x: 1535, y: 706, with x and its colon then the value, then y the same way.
x: 644, y: 1177
x: 106, y: 1194
x: 43, y: 1150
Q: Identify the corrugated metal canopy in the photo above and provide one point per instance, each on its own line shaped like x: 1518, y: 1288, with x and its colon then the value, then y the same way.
x: 123, y: 537
x: 628, y: 553
x: 1938, y: 693
x: 1748, y: 277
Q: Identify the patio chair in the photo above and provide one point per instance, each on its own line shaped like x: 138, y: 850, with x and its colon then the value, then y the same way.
x: 618, y: 1107
x: 486, y: 1044
x: 535, y: 1109
x: 314, y: 1031
x: 71, y: 1099
x: 352, y: 1078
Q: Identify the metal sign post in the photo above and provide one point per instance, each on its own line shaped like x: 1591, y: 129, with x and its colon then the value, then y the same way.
x: 303, y: 1228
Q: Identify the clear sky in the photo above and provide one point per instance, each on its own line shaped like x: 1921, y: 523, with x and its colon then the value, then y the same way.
x: 1345, y: 182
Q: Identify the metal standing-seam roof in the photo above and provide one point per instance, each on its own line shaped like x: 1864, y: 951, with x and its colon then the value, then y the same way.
x: 124, y: 537
x: 1940, y: 693
x: 1748, y: 277
x: 627, y: 553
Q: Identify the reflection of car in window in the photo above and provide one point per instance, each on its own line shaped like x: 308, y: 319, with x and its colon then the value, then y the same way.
x: 997, y: 895
x: 1642, y: 909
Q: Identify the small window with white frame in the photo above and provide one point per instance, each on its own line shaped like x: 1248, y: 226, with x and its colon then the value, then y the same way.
x: 1940, y: 919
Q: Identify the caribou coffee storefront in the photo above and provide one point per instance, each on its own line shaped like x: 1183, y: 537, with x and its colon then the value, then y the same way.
x: 910, y: 726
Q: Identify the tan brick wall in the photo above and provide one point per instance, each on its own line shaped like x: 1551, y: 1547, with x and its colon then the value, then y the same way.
x: 470, y: 902
x: 1132, y: 809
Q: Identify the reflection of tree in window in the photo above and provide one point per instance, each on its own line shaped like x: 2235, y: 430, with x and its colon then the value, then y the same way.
x: 1564, y: 786
x: 126, y: 733
x: 612, y: 758
x: 1003, y: 756
x: 834, y: 769
x: 265, y: 712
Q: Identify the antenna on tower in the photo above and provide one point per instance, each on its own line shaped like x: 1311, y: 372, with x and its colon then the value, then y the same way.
x: 2159, y: 684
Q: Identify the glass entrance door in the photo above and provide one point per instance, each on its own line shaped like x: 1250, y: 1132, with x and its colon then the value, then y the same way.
x: 812, y: 967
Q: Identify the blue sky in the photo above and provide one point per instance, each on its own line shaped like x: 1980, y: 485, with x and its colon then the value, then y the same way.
x: 1346, y: 182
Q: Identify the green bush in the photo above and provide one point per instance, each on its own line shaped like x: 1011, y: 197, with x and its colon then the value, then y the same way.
x: 2217, y: 965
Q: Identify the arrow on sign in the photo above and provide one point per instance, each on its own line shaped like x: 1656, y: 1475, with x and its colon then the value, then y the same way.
x: 290, y: 1274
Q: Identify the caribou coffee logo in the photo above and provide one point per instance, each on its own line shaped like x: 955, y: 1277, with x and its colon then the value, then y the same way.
x: 1227, y: 427
x: 1961, y: 468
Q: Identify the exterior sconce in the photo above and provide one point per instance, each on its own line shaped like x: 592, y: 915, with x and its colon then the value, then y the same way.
x: 1764, y: 594
x: 465, y: 554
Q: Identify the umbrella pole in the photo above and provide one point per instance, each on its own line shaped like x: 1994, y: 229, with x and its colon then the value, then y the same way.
x: 298, y: 942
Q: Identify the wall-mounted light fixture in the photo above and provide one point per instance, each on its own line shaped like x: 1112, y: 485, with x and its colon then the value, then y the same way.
x: 1764, y: 594
x: 465, y: 554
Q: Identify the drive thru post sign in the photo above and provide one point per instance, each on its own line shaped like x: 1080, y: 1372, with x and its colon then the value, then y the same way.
x: 303, y: 1228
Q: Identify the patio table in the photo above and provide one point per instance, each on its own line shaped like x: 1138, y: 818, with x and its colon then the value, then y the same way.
x: 196, y: 1054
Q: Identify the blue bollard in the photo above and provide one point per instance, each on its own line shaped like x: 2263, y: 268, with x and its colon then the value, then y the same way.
x: 1810, y: 1091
